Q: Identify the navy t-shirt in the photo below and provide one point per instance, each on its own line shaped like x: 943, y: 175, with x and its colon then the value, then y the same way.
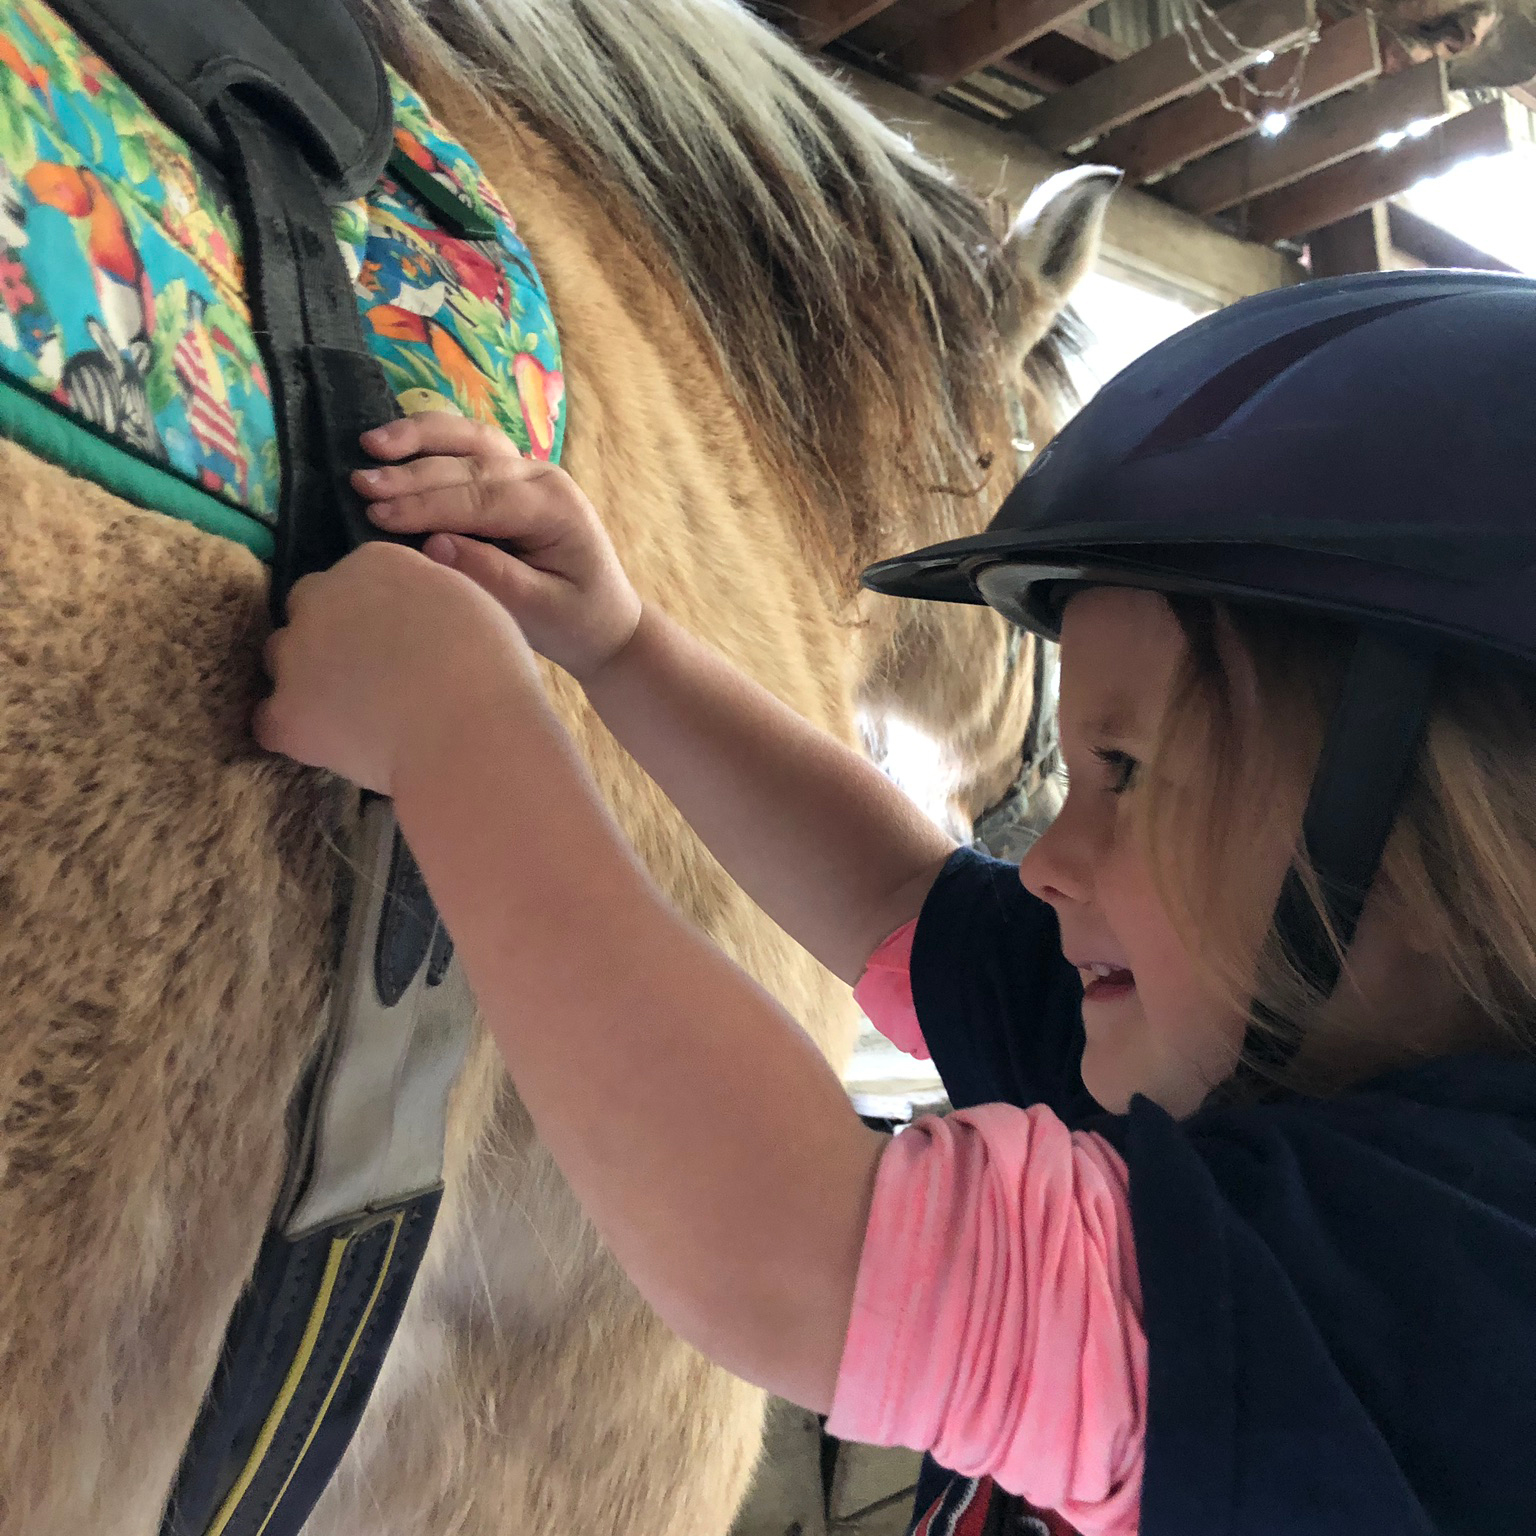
x: 1339, y: 1294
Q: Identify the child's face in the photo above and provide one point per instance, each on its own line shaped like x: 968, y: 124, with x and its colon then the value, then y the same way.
x: 1153, y: 1025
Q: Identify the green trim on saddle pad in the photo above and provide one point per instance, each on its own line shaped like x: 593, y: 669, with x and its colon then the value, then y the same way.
x: 40, y: 426
x: 123, y: 302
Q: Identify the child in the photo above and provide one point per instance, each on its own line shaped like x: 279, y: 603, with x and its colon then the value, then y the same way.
x: 1234, y: 1228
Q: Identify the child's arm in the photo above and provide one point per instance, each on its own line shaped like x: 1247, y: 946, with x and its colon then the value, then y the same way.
x: 814, y: 833
x: 702, y: 1131
x: 833, y: 852
x: 992, y: 1292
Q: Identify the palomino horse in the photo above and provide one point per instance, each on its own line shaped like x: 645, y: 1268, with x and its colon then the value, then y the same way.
x: 790, y: 346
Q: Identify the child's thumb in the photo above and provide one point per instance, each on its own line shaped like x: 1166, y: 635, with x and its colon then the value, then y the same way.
x: 504, y: 576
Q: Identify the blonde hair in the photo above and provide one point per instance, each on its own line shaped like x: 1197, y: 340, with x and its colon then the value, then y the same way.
x: 1243, y: 728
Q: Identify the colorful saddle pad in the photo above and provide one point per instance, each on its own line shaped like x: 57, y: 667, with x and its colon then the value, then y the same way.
x: 122, y: 301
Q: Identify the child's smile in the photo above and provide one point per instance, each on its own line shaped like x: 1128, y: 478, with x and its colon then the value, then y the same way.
x: 1103, y: 982
x: 1153, y: 1024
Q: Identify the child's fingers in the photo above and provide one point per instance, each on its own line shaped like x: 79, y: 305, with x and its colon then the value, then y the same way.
x: 508, y: 500
x: 437, y: 432
x: 419, y: 477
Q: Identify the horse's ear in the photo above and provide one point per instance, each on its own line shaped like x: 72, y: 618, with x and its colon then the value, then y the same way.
x: 1052, y: 245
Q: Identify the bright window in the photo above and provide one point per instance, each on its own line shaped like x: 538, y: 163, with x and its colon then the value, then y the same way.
x: 1123, y: 321
x: 1489, y: 202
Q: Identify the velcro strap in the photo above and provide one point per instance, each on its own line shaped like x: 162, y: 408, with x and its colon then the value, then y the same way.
x: 328, y: 387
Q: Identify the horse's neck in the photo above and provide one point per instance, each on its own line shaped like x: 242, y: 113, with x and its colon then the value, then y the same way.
x: 710, y: 519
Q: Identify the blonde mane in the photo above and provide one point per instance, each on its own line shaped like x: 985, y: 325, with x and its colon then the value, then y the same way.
x: 851, y: 290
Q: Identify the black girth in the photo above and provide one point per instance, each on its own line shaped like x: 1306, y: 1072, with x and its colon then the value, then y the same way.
x: 290, y: 101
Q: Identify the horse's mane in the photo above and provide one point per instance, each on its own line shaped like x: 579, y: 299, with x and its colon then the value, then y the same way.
x: 851, y: 289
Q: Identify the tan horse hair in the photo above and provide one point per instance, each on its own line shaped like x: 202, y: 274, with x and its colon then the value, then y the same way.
x: 863, y: 307
x: 166, y: 948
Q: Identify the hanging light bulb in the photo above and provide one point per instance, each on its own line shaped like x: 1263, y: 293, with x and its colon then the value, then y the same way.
x: 1273, y: 124
x: 1264, y: 56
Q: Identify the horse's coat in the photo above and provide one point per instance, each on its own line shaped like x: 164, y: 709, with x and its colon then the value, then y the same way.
x: 166, y: 891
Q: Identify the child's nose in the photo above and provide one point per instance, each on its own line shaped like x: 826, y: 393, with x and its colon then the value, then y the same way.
x: 1054, y: 868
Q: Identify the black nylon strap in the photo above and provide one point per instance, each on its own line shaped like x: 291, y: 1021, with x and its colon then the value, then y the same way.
x: 1368, y: 755
x: 327, y: 388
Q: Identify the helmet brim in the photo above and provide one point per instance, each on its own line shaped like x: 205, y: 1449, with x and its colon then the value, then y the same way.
x: 1031, y: 586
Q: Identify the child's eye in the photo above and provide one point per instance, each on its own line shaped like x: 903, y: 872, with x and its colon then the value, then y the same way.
x: 1122, y: 767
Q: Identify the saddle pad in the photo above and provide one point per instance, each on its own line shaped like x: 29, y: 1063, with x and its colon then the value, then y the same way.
x: 122, y: 302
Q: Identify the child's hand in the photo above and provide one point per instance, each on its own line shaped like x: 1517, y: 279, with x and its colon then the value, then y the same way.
x: 565, y: 585
x: 384, y: 653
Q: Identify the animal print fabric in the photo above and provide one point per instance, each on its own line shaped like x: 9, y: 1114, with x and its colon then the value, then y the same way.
x: 122, y: 297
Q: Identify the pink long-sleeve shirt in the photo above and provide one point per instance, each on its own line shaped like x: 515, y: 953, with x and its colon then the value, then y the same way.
x: 997, y: 1311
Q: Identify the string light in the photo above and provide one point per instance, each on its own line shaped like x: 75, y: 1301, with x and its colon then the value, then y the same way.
x: 1227, y: 54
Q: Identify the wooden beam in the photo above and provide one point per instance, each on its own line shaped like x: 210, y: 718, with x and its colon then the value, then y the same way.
x: 1345, y: 56
x: 1435, y: 247
x: 1163, y: 73
x: 1524, y: 94
x: 977, y: 35
x: 819, y: 22
x: 1018, y: 67
x: 1093, y: 40
x: 1359, y: 243
x: 1145, y: 241
x: 1371, y: 178
x: 1056, y: 57
x: 1348, y: 125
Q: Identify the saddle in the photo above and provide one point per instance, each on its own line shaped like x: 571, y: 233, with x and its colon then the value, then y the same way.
x: 289, y: 100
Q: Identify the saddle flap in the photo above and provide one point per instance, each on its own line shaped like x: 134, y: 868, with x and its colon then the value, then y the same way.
x: 307, y: 66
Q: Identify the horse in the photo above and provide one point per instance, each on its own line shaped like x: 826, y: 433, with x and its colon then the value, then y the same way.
x: 1486, y: 43
x: 791, y: 346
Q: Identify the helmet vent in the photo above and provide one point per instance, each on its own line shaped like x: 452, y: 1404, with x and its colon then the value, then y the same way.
x: 1225, y: 393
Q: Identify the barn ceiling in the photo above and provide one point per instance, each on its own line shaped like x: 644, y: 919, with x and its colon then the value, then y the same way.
x: 1271, y: 118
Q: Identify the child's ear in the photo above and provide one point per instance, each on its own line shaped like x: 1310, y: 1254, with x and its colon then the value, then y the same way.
x: 1051, y: 247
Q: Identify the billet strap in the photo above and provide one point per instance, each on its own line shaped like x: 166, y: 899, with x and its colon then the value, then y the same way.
x: 1368, y: 756
x: 306, y: 1342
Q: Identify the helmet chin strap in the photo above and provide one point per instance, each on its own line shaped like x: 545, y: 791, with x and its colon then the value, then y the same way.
x: 1369, y: 751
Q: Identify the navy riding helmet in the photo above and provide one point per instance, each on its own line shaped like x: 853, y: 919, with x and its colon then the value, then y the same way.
x: 1362, y: 447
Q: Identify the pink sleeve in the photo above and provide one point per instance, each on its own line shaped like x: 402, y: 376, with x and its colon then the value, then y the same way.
x: 997, y: 1313
x: 884, y: 992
